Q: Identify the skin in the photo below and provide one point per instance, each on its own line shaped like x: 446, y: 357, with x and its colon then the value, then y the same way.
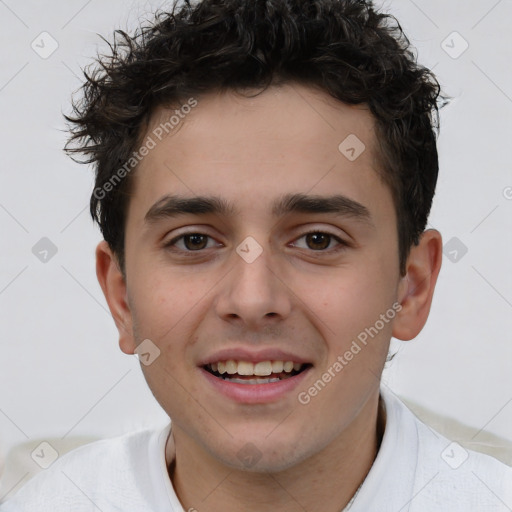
x: 295, y: 296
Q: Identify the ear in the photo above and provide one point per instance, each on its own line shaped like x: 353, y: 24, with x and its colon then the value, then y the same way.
x: 416, y: 288
x: 113, y: 284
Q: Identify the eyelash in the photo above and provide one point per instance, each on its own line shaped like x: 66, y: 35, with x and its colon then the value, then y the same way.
x: 341, y: 243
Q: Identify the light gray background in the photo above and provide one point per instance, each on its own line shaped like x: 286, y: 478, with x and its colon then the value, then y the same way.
x: 61, y: 372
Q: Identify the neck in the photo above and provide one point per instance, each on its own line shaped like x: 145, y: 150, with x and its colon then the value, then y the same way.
x: 336, y: 472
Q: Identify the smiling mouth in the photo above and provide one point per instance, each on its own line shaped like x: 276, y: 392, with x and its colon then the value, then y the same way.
x: 263, y: 372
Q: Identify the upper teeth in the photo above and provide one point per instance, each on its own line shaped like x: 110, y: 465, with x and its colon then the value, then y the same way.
x: 247, y: 368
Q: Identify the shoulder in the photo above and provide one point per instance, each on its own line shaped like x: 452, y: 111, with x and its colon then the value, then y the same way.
x: 92, y: 476
x: 452, y: 477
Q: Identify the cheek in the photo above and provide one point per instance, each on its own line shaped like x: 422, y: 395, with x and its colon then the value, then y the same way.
x: 163, y: 301
x: 352, y: 300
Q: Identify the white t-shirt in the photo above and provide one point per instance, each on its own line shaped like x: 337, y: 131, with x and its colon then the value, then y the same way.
x: 416, y: 470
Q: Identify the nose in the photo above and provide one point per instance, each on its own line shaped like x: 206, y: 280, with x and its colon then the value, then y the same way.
x: 254, y: 294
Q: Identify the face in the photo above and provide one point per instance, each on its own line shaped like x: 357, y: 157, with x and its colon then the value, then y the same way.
x: 290, y: 259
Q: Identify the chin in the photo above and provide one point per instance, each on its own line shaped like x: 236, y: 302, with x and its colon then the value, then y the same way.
x: 259, y: 455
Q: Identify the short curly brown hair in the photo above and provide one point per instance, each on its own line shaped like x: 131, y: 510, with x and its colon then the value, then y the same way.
x: 344, y: 47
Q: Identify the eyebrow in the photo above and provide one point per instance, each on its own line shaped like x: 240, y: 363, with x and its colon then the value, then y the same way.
x: 171, y: 206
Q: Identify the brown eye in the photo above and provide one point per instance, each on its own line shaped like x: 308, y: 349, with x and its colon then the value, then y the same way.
x: 318, y: 240
x: 195, y: 241
x: 189, y: 242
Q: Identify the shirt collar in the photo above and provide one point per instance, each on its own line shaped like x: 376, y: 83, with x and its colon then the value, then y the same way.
x: 390, y: 482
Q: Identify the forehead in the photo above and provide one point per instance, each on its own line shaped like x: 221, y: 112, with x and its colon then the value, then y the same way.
x: 288, y: 139
x: 287, y: 117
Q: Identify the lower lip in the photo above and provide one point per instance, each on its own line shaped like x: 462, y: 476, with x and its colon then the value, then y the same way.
x: 255, y: 393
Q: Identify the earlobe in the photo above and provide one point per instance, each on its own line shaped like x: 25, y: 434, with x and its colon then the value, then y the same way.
x: 113, y: 284
x: 416, y: 288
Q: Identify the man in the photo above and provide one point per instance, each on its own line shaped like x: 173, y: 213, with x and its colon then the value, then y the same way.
x: 264, y: 175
